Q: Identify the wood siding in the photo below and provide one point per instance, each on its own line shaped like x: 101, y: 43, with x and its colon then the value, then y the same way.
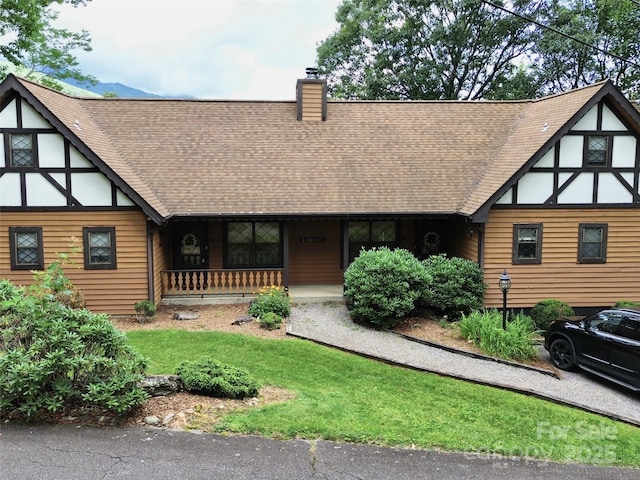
x: 110, y: 291
x: 312, y: 98
x: 559, y: 275
x: 161, y: 261
x: 312, y: 261
x: 463, y: 240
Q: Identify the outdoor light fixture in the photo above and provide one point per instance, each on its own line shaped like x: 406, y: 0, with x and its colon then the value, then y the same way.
x: 505, y: 284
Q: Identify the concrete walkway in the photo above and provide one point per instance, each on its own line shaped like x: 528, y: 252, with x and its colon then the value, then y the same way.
x: 330, y: 324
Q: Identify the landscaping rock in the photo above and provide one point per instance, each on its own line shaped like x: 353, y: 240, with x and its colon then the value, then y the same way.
x: 243, y: 320
x: 161, y: 385
x: 185, y: 316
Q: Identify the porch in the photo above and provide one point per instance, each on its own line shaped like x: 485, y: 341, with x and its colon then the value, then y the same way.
x: 202, y: 287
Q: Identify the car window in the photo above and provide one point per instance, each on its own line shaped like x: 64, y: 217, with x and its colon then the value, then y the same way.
x: 606, y: 321
x: 630, y: 328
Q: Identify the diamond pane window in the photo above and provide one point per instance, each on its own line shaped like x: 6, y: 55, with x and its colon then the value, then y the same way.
x: 527, y: 243
x: 21, y: 150
x: 99, y: 247
x: 253, y: 244
x: 592, y: 244
x: 597, y: 150
x: 358, y: 231
x: 369, y: 234
x: 26, y: 248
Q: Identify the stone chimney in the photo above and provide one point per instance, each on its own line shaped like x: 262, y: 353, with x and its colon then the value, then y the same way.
x: 311, y: 95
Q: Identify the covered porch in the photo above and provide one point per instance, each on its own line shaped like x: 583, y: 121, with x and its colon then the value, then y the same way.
x: 299, y: 294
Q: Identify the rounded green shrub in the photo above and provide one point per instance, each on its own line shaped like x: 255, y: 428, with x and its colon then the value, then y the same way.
x: 382, y: 286
x: 546, y: 311
x: 207, y: 376
x: 457, y: 286
x: 626, y: 304
x: 270, y: 321
x: 60, y: 359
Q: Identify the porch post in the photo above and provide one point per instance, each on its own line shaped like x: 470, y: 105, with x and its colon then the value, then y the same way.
x: 285, y: 253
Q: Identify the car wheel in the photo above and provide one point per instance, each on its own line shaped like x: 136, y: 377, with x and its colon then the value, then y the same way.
x: 562, y: 355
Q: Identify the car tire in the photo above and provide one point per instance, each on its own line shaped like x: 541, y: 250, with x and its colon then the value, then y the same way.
x: 562, y: 354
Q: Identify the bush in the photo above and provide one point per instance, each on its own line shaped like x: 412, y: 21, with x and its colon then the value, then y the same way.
x: 59, y: 359
x: 457, y: 286
x: 207, y: 376
x: 53, y: 284
x: 271, y: 300
x: 623, y: 304
x: 145, y: 309
x: 484, y: 330
x: 270, y: 321
x: 382, y: 286
x: 546, y: 311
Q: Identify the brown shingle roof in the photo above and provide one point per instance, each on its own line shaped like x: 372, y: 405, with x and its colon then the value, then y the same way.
x: 204, y: 158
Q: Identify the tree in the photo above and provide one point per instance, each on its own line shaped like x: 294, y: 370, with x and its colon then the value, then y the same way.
x: 471, y: 49
x: 30, y: 40
x: 417, y: 49
x: 610, y: 25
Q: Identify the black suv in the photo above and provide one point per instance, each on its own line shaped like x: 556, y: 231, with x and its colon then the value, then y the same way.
x: 606, y: 344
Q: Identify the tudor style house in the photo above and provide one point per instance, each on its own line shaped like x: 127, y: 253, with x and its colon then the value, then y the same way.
x: 201, y: 198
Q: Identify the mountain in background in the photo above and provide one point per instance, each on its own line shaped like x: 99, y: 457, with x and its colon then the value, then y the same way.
x: 116, y: 89
x: 119, y: 90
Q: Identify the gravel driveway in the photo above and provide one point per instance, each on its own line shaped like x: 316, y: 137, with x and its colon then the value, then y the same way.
x: 330, y: 324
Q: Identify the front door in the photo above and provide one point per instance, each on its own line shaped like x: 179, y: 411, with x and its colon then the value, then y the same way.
x: 190, y: 246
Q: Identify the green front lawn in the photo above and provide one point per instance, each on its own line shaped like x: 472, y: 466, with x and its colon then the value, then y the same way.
x: 344, y: 397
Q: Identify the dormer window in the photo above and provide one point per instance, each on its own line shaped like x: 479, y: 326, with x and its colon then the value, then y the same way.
x: 21, y: 154
x: 597, y: 150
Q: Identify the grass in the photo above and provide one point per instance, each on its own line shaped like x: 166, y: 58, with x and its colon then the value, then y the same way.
x: 344, y: 397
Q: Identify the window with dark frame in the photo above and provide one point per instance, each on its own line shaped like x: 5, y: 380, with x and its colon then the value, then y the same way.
x: 592, y: 243
x: 99, y: 248
x: 597, y: 150
x: 253, y: 245
x: 21, y: 150
x: 26, y: 248
x: 527, y: 243
x: 367, y: 234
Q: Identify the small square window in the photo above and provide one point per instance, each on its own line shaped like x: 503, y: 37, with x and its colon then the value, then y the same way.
x: 21, y: 152
x: 527, y: 243
x: 592, y: 243
x: 253, y: 245
x: 26, y: 248
x: 597, y: 153
x: 99, y: 248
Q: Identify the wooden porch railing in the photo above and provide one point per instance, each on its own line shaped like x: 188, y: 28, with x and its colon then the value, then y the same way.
x: 219, y: 282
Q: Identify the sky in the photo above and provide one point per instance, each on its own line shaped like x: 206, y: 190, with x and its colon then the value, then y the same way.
x: 209, y: 49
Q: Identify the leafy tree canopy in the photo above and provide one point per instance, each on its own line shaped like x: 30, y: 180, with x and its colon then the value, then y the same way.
x: 28, y: 39
x: 471, y: 49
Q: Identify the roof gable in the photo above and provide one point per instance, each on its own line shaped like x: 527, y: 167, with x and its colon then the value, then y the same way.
x: 67, y: 116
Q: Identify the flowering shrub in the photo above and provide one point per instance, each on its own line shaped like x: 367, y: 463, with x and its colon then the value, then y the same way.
x: 271, y: 299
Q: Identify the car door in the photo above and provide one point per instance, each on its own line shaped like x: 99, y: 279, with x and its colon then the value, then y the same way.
x: 598, y: 341
x: 625, y: 360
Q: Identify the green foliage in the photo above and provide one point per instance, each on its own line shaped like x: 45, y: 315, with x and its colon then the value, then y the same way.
x: 53, y: 284
x: 29, y: 38
x: 464, y: 49
x: 484, y: 329
x: 457, y: 286
x: 458, y: 49
x: 618, y: 304
x: 207, y: 376
x: 270, y: 321
x: 60, y: 359
x: 382, y: 286
x: 271, y: 300
x: 548, y: 310
x: 144, y: 309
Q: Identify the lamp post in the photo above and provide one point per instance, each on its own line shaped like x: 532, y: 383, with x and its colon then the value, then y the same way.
x: 505, y: 285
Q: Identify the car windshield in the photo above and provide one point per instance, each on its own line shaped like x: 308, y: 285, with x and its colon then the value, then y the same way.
x: 605, y: 321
